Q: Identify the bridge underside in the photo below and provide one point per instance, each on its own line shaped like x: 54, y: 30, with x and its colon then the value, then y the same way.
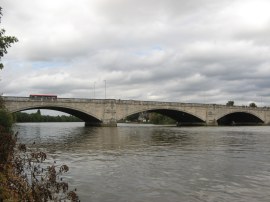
x: 89, y: 120
x: 239, y: 118
x: 182, y: 118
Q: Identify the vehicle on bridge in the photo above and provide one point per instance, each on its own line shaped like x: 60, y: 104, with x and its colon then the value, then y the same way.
x: 45, y: 97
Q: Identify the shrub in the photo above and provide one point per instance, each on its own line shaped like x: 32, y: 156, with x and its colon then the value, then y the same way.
x: 6, y: 119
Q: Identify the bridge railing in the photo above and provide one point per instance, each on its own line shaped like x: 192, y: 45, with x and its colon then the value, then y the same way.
x: 185, y: 104
x: 27, y: 99
x: 13, y: 98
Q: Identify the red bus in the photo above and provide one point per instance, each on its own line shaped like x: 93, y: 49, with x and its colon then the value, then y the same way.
x: 43, y: 97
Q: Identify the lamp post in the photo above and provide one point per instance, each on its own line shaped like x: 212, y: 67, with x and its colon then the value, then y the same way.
x: 94, y: 90
x: 105, y: 88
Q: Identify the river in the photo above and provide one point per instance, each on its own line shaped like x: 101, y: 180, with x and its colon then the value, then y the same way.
x: 146, y: 163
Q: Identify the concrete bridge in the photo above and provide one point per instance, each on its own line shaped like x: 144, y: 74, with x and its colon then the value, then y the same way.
x: 100, y: 112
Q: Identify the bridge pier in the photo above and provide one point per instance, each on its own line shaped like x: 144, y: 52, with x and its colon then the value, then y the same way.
x: 92, y: 124
x: 179, y: 124
x: 212, y: 123
x: 100, y: 124
x: 108, y: 124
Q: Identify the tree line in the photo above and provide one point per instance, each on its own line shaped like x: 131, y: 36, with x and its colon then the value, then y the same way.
x: 38, y: 117
x: 150, y: 117
x: 231, y: 103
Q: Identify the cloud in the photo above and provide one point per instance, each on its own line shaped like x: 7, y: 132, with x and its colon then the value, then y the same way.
x: 176, y: 50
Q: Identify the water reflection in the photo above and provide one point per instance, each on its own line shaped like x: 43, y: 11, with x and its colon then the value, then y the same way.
x: 149, y: 163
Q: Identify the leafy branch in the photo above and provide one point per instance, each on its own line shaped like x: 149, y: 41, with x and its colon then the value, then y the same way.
x: 5, y: 41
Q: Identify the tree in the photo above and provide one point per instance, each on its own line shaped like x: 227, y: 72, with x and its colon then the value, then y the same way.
x: 5, y: 41
x: 133, y: 117
x: 252, y: 104
x: 230, y: 103
x: 37, y: 117
x: 157, y: 118
x: 5, y: 119
x: 38, y: 112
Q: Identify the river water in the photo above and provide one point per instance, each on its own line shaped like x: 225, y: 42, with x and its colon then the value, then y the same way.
x: 145, y: 163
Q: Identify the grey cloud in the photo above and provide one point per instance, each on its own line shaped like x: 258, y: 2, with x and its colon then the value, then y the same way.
x: 261, y: 37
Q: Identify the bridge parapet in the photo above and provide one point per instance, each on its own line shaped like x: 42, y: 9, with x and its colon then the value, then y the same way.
x: 135, y: 102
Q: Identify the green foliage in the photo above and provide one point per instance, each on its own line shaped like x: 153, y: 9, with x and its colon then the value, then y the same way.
x: 6, y: 119
x: 157, y: 118
x: 230, y: 103
x: 133, y: 117
x: 5, y: 41
x: 2, y: 106
x: 151, y: 117
x: 7, y: 144
x: 37, y: 117
x: 252, y: 104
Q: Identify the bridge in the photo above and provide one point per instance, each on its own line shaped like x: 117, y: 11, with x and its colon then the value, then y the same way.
x: 107, y: 112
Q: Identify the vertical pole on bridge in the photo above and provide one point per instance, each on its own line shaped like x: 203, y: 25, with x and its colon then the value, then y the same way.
x: 105, y: 88
x: 94, y: 90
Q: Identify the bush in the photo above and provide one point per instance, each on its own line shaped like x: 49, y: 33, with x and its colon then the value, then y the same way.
x: 7, y: 141
x: 24, y: 177
x: 6, y: 119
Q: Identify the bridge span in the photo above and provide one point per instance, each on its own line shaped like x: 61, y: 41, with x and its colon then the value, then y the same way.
x: 107, y: 112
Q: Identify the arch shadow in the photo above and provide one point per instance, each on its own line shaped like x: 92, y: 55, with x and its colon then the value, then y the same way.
x: 240, y: 119
x: 182, y: 118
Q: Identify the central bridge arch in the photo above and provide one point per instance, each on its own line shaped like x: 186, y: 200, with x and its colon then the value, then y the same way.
x: 181, y: 117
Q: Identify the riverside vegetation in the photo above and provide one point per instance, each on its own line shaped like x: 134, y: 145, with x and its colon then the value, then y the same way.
x: 23, y: 174
x: 38, y: 117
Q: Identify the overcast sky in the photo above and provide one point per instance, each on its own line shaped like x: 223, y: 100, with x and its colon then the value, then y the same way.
x: 201, y: 51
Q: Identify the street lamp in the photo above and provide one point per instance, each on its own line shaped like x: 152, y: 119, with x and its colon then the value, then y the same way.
x: 94, y: 90
x: 105, y: 88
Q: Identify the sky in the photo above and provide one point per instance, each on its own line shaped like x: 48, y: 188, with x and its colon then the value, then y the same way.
x: 195, y: 51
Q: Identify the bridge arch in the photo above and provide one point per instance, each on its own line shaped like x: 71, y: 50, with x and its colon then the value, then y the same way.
x: 84, y: 116
x: 239, y: 118
x: 181, y: 117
